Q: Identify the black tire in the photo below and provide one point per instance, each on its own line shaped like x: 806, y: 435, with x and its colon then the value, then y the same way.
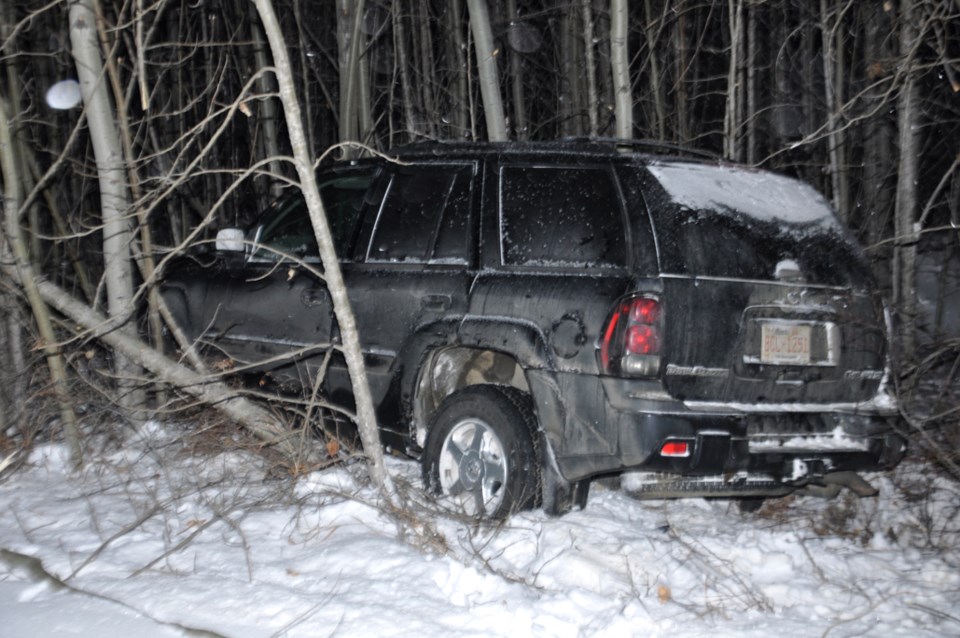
x: 750, y: 504
x: 480, y: 453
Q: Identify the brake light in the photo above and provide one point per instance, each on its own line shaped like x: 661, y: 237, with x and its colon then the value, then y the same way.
x: 631, y: 340
x: 675, y: 449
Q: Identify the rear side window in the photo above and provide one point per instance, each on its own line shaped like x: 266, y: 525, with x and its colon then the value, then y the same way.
x: 561, y: 216
x: 424, y: 216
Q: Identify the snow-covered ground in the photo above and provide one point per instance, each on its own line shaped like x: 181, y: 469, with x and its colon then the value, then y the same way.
x: 157, y: 540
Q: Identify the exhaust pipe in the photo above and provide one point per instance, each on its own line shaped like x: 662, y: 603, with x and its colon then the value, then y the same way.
x: 830, y: 485
x: 852, y: 481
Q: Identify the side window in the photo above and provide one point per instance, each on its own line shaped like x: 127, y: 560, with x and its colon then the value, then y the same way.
x: 285, y: 232
x: 424, y: 216
x: 286, y: 229
x: 561, y: 216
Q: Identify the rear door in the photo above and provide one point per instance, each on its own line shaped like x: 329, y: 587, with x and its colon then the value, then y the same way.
x: 768, y: 299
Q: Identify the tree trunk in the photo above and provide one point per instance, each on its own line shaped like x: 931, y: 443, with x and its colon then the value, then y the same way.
x: 878, y: 139
x: 521, y: 128
x: 267, y: 113
x: 349, y: 17
x: 26, y: 275
x: 427, y: 83
x: 406, y: 87
x: 593, y: 95
x: 908, y: 123
x: 118, y: 272
x: 656, y: 84
x: 833, y: 83
x: 680, y: 57
x: 731, y: 117
x: 620, y: 64
x: 459, y: 85
x: 366, y: 417
x: 487, y: 69
x: 751, y: 85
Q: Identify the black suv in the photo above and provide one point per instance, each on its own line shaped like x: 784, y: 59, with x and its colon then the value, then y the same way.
x: 536, y: 315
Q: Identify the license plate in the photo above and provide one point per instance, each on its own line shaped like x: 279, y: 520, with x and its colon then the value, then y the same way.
x: 785, y: 344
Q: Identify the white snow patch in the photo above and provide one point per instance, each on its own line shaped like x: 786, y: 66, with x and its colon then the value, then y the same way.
x: 757, y: 194
x: 209, y: 544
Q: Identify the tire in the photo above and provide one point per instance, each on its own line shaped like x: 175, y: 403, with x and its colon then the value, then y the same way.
x: 480, y: 453
x: 750, y: 504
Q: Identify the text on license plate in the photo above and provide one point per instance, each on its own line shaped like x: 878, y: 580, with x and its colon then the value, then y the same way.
x: 785, y: 344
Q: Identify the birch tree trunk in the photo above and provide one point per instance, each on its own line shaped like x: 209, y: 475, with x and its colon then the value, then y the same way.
x: 27, y: 277
x: 118, y: 271
x: 620, y: 64
x: 487, y: 70
x: 366, y: 417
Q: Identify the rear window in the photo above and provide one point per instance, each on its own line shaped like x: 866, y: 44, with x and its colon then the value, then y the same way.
x: 739, y: 223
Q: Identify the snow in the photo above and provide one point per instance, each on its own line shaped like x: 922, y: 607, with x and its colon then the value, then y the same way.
x: 756, y: 194
x: 156, y: 539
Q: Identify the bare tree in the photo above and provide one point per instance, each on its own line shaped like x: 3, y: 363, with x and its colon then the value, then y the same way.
x: 366, y: 417
x: 114, y: 202
x: 25, y: 270
x: 619, y: 59
x: 908, y: 118
x: 489, y: 75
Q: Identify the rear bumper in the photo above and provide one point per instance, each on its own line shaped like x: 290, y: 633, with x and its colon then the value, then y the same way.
x: 781, y: 445
x: 789, y: 447
x: 617, y: 426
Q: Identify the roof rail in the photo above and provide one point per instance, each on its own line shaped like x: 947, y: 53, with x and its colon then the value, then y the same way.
x: 650, y: 145
x: 565, y: 143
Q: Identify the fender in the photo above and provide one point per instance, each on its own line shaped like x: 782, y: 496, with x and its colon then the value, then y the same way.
x: 522, y: 339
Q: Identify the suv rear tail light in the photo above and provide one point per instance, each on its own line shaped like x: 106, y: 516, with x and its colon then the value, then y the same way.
x: 631, y: 340
x: 679, y: 449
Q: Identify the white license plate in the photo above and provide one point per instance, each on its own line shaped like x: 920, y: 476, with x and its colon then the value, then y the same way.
x: 785, y: 344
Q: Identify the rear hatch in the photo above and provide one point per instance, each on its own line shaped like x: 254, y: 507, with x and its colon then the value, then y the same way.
x: 766, y: 296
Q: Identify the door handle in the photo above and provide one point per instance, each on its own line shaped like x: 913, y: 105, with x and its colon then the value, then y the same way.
x: 436, y: 303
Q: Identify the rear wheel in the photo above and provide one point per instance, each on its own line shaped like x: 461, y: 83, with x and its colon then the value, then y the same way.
x: 750, y: 504
x: 480, y: 451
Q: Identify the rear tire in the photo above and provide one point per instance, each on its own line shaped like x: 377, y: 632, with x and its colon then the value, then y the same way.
x: 750, y: 504
x: 480, y: 454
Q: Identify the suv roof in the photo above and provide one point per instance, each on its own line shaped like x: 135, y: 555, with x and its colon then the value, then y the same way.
x: 579, y: 147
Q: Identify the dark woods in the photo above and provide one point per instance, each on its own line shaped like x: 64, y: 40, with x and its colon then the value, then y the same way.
x: 859, y: 98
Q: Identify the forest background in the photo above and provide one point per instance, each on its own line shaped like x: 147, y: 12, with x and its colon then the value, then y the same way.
x: 181, y: 131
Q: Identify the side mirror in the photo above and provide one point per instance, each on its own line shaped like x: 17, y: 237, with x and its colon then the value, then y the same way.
x: 230, y: 240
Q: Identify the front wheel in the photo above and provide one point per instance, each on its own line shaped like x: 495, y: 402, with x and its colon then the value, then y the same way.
x: 480, y: 451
